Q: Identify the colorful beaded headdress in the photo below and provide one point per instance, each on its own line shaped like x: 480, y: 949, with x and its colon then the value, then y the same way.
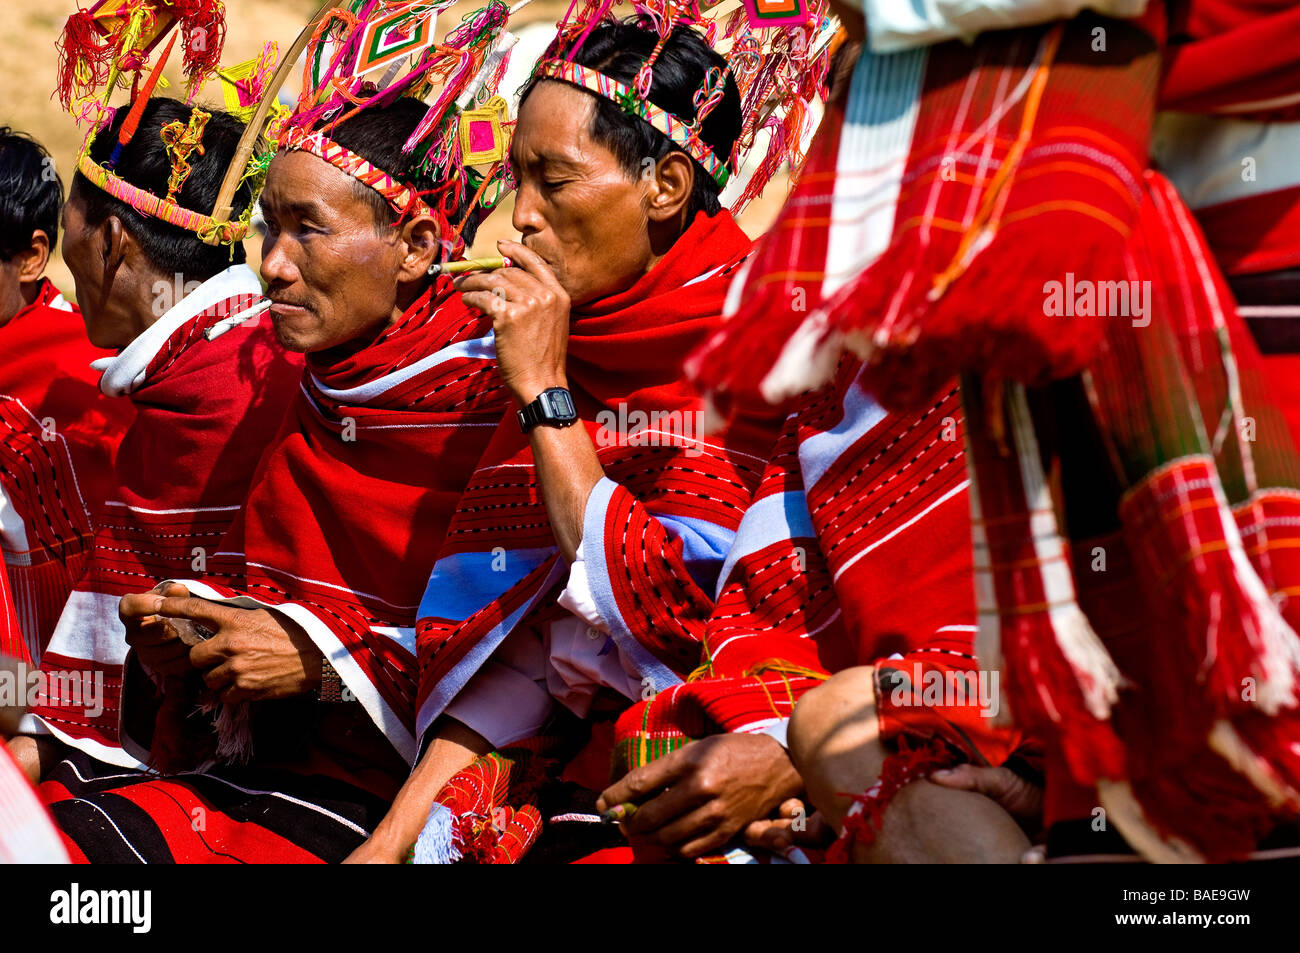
x: 779, y: 67
x: 370, y: 53
x: 106, y: 48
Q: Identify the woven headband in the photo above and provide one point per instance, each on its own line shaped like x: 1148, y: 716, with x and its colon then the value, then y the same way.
x: 146, y: 203
x: 401, y: 197
x: 678, y: 130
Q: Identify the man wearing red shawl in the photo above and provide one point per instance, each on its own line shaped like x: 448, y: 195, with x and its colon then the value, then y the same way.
x: 579, y: 567
x: 298, y: 642
x: 49, y: 388
x: 204, y: 410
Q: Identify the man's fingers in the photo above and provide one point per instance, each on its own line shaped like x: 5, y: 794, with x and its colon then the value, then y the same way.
x: 209, y: 653
x: 791, y: 808
x: 138, y: 605
x: 775, y: 836
x: 1018, y: 797
x: 968, y: 777
x: 211, y: 614
x: 673, y: 804
x: 485, y: 302
x: 507, y: 279
x: 528, y: 261
x: 636, y: 785
x: 700, y: 832
x: 218, y: 678
x: 150, y: 632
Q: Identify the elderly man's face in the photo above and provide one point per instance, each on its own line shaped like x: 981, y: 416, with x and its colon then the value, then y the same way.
x: 331, y: 274
x: 103, y: 298
x: 575, y: 205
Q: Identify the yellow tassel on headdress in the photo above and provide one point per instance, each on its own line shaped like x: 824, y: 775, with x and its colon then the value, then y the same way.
x: 181, y: 141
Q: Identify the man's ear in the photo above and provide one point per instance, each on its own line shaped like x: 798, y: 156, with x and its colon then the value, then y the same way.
x: 670, y: 191
x: 34, y: 259
x: 115, y: 244
x: 423, y: 247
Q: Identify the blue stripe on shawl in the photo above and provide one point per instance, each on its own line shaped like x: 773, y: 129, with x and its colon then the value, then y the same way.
x: 464, y: 583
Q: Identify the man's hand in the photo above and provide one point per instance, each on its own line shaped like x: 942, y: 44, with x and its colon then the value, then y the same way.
x: 530, y: 316
x: 255, y: 655
x: 156, y: 641
x: 1019, y: 798
x: 793, y: 826
x: 697, y: 798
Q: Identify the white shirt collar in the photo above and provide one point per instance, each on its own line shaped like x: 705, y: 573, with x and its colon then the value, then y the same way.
x: 125, y: 372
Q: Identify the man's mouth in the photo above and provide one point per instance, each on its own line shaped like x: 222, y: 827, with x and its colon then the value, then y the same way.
x: 287, y: 308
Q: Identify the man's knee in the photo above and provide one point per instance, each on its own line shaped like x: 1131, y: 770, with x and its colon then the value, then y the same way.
x: 845, y: 699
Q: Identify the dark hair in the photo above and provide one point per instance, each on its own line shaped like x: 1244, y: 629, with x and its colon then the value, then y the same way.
x: 377, y: 135
x: 145, y: 164
x: 618, y: 49
x: 31, y: 193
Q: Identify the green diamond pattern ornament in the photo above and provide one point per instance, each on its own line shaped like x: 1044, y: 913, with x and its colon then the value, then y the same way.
x: 392, y: 38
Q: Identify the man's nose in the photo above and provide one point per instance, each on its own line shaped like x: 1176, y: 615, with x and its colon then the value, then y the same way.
x: 276, y: 266
x: 527, y: 217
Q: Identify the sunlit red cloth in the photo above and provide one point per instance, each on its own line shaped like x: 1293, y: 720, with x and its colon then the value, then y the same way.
x: 58, y: 438
x: 350, y: 507
x: 205, y: 410
x: 1228, y: 141
x: 485, y: 814
x: 1196, y: 517
x: 1126, y: 452
x: 930, y: 162
x: 856, y: 551
x: 1233, y: 58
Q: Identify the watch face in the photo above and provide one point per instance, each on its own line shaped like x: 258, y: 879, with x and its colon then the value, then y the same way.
x: 559, y: 404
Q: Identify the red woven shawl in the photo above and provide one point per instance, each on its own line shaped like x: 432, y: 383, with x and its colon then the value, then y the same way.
x: 350, y: 505
x: 205, y: 411
x: 58, y: 438
x: 624, y: 360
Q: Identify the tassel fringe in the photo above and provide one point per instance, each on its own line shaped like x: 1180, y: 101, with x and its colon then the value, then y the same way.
x: 437, y: 842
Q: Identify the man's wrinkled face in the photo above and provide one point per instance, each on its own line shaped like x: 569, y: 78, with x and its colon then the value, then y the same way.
x: 108, y: 320
x: 575, y: 205
x: 331, y: 274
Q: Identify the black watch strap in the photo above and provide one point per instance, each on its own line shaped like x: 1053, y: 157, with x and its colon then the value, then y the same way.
x: 553, y: 407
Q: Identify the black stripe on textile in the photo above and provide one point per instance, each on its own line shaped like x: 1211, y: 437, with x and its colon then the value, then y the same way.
x: 109, y: 829
x: 1273, y: 335
x: 311, y: 830
x: 322, y: 835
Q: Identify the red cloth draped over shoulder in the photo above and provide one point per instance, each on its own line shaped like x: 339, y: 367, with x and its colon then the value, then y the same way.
x: 350, y: 505
x: 205, y: 411
x: 58, y: 438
